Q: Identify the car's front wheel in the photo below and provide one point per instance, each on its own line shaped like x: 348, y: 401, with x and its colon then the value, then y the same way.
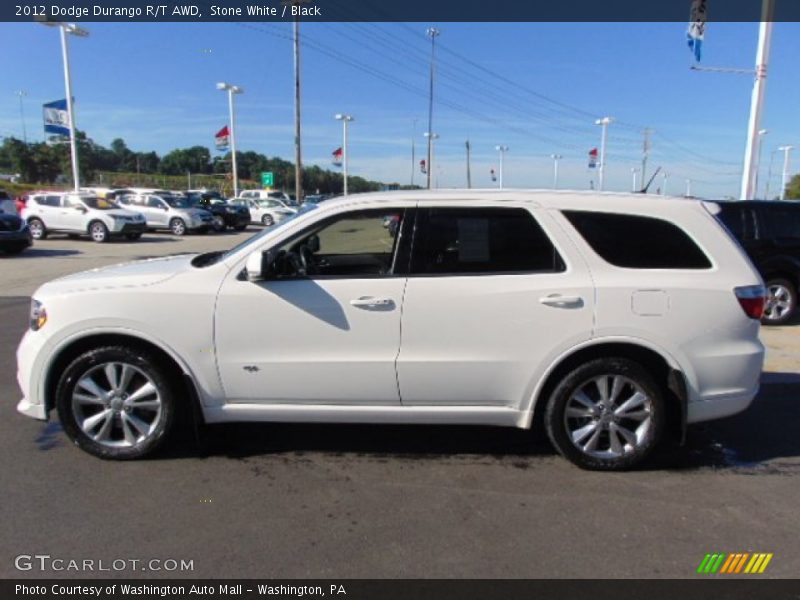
x: 781, y: 302
x: 99, y: 232
x: 177, y: 226
x: 607, y: 414
x: 116, y: 403
x: 267, y: 221
x: 218, y: 223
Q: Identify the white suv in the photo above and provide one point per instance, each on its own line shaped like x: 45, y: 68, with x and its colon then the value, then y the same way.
x: 80, y: 214
x: 620, y: 319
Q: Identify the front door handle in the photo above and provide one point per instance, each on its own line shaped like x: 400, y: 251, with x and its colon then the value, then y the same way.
x: 371, y: 302
x: 560, y: 301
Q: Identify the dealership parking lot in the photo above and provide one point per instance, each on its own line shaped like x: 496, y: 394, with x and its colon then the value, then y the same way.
x: 386, y: 501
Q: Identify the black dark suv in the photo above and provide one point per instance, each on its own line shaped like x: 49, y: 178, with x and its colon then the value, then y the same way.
x: 770, y: 234
x: 225, y: 215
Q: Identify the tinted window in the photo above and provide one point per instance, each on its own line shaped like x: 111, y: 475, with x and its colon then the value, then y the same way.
x: 481, y: 240
x: 781, y: 222
x: 637, y: 242
x: 733, y: 219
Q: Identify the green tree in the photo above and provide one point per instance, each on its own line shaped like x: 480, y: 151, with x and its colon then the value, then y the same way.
x: 793, y: 188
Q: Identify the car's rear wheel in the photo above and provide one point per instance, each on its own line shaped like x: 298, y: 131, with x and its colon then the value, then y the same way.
x: 267, y: 221
x: 607, y: 414
x: 218, y: 223
x: 38, y: 230
x: 177, y: 226
x: 781, y: 302
x: 99, y: 232
x: 116, y: 403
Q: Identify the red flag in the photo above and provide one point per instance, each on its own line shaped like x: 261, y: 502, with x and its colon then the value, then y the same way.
x: 221, y: 138
x: 422, y: 168
x: 337, y: 157
x: 593, y: 158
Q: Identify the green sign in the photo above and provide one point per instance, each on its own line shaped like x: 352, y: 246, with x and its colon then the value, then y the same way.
x: 267, y: 179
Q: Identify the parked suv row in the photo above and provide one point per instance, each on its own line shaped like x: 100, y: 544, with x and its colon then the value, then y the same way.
x: 770, y: 234
x: 619, y: 319
x: 163, y: 210
x: 80, y: 214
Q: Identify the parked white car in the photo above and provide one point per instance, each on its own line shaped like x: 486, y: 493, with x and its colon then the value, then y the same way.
x: 80, y: 214
x: 282, y: 197
x: 619, y: 318
x: 166, y: 211
x: 264, y: 212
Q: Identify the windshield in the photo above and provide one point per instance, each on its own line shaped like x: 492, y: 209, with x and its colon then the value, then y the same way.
x: 177, y: 201
x: 99, y: 203
x: 210, y: 258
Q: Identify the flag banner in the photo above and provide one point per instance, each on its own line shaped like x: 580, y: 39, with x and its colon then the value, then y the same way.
x: 222, y: 138
x: 56, y: 119
x: 336, y: 157
x: 422, y: 167
x: 492, y: 174
x: 697, y: 28
x: 593, y: 158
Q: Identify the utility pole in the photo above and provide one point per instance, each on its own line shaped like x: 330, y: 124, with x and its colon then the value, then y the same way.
x: 785, y: 178
x: 749, y: 176
x: 664, y: 184
x: 298, y: 162
x: 502, y: 150
x: 604, y: 123
x: 634, y: 171
x: 413, y: 151
x: 688, y: 188
x: 21, y: 94
x: 345, y: 119
x: 645, y: 154
x: 431, y: 138
x: 761, y: 134
x: 433, y: 33
x: 73, y: 146
x: 556, y: 158
x: 469, y: 174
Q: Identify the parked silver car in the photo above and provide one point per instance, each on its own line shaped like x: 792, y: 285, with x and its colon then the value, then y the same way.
x: 166, y: 211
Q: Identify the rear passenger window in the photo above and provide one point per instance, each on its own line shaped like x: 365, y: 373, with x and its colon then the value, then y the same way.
x: 781, y: 222
x: 481, y: 240
x: 637, y: 242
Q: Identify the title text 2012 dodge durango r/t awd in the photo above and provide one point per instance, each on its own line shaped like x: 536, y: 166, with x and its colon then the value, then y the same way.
x: 620, y: 318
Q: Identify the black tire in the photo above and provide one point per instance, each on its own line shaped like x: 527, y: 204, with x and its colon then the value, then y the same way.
x: 132, y: 237
x: 781, y: 302
x: 177, y: 226
x: 38, y: 230
x: 635, y: 379
x: 148, y: 368
x: 98, y: 232
x: 267, y: 221
x: 218, y: 223
x: 241, y: 227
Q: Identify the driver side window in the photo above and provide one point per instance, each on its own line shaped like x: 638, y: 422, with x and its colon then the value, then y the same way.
x: 356, y: 244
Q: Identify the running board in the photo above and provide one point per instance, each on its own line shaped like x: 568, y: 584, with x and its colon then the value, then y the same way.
x: 409, y: 415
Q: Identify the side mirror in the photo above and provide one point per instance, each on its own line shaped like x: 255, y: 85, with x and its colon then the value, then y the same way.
x: 80, y: 209
x: 258, y: 265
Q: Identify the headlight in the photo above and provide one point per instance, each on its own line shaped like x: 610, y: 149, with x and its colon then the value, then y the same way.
x: 38, y: 315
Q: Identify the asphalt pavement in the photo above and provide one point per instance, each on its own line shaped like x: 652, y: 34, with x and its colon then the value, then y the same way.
x: 303, y: 501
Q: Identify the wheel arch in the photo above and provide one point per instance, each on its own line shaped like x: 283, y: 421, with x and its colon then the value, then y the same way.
x: 664, y: 368
x: 179, y: 374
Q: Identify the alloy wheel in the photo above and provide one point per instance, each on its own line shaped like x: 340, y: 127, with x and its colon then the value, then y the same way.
x: 779, y: 302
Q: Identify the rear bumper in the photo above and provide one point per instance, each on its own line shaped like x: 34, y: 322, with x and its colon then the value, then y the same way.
x: 15, y: 239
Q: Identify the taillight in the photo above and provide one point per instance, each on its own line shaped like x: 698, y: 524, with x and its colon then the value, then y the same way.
x: 752, y: 299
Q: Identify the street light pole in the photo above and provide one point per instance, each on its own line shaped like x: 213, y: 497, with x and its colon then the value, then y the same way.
x: 604, y: 123
x: 345, y: 119
x: 688, y: 188
x: 298, y: 161
x: 502, y: 150
x: 73, y: 147
x: 761, y: 134
x: 785, y: 178
x: 431, y: 138
x: 21, y: 94
x: 232, y: 89
x: 433, y: 33
x: 768, y: 184
x: 634, y: 171
x: 664, y: 185
x: 556, y: 158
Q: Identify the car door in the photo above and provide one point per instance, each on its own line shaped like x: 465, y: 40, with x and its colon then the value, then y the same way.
x: 51, y: 211
x: 73, y: 215
x: 495, y: 293
x: 324, y: 327
x: 157, y: 212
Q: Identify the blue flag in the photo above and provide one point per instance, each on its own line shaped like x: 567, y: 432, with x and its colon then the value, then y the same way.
x: 56, y: 118
x: 697, y: 28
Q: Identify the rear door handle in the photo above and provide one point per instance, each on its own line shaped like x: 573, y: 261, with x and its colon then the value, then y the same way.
x: 562, y: 301
x: 372, y: 302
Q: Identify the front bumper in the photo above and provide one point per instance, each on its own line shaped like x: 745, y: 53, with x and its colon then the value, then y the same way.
x: 30, y: 356
x: 237, y: 219
x: 129, y: 227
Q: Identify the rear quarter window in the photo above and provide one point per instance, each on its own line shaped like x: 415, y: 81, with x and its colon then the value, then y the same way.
x: 638, y: 242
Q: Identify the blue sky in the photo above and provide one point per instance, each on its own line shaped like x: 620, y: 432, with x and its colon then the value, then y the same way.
x: 154, y: 86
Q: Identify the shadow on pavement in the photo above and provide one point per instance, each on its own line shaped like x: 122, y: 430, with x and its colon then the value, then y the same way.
x: 38, y: 252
